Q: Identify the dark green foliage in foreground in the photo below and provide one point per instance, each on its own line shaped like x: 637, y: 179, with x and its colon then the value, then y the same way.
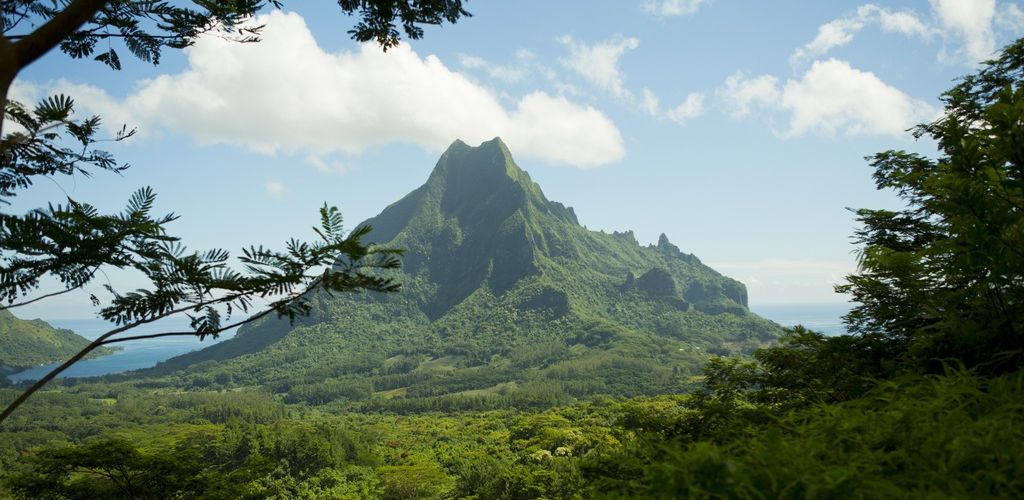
x: 871, y: 415
x: 944, y: 278
x: 24, y: 344
x: 958, y: 435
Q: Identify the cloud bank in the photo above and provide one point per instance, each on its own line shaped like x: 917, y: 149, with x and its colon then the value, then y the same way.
x: 830, y: 98
x: 287, y: 94
x: 968, y: 26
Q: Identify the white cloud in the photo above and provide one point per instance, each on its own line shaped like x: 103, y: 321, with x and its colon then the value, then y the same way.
x: 830, y: 35
x: 287, y: 94
x: 511, y: 73
x: 971, y: 27
x: 690, y: 108
x: 25, y: 92
x: 274, y: 189
x: 840, y: 32
x: 904, y: 23
x: 666, y: 8
x: 649, y: 102
x: 599, y: 63
x: 971, y: 20
x: 831, y: 97
x: 581, y: 136
x: 741, y: 94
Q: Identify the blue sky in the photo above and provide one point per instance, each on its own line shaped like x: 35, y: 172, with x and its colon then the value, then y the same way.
x: 737, y: 128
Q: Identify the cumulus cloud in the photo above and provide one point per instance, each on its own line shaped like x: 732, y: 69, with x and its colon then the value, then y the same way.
x: 690, y: 108
x: 905, y: 23
x: 971, y: 20
x: 970, y: 29
x: 599, y: 63
x: 742, y: 94
x: 841, y: 31
x: 288, y: 94
x: 668, y: 8
x: 831, y: 97
x: 565, y: 140
x: 831, y: 35
x: 25, y: 92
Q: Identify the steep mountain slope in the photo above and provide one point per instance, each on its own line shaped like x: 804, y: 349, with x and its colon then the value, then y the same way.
x: 505, y: 295
x: 24, y: 344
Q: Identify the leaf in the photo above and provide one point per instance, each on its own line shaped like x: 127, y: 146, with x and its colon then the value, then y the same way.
x: 110, y: 59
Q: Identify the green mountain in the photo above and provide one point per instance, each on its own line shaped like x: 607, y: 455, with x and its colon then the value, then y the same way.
x: 506, y: 300
x: 24, y: 343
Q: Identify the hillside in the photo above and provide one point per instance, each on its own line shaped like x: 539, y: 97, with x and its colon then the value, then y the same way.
x: 506, y: 299
x: 24, y: 343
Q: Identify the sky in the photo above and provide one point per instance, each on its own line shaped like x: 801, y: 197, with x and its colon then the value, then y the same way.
x: 739, y: 129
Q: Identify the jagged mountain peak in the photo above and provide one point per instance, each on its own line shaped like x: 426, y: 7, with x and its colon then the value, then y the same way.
x: 476, y: 187
x: 467, y: 173
x: 494, y: 271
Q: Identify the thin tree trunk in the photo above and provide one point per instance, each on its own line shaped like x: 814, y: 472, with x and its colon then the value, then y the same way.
x: 7, y: 73
x: 49, y: 376
x: 105, y: 339
x: 16, y: 56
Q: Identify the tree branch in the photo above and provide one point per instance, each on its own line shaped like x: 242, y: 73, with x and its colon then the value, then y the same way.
x: 54, y: 294
x: 101, y: 36
x: 49, y: 35
x: 37, y: 299
x: 15, y: 56
x: 102, y: 339
x: 182, y: 334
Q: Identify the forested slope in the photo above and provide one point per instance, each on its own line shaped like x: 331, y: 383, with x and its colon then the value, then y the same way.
x: 506, y: 300
x: 28, y: 343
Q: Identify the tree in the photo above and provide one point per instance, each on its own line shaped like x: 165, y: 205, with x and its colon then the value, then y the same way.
x: 944, y: 278
x: 111, y: 468
x: 72, y: 241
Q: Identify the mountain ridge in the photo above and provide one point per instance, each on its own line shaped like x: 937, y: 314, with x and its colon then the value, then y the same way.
x: 502, y: 286
x: 28, y: 343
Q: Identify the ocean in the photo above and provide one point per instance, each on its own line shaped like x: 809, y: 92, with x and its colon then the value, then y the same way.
x: 134, y: 355
x: 138, y: 354
x: 823, y: 318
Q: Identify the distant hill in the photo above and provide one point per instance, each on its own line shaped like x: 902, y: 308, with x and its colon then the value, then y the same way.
x: 28, y: 343
x: 506, y: 299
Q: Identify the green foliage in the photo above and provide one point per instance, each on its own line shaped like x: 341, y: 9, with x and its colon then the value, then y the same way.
x: 74, y: 242
x: 957, y: 435
x: 147, y: 27
x: 942, y: 279
x: 506, y: 301
x: 513, y: 312
x: 33, y: 151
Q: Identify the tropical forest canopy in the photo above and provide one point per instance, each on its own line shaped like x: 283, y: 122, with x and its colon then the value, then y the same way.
x: 526, y: 356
